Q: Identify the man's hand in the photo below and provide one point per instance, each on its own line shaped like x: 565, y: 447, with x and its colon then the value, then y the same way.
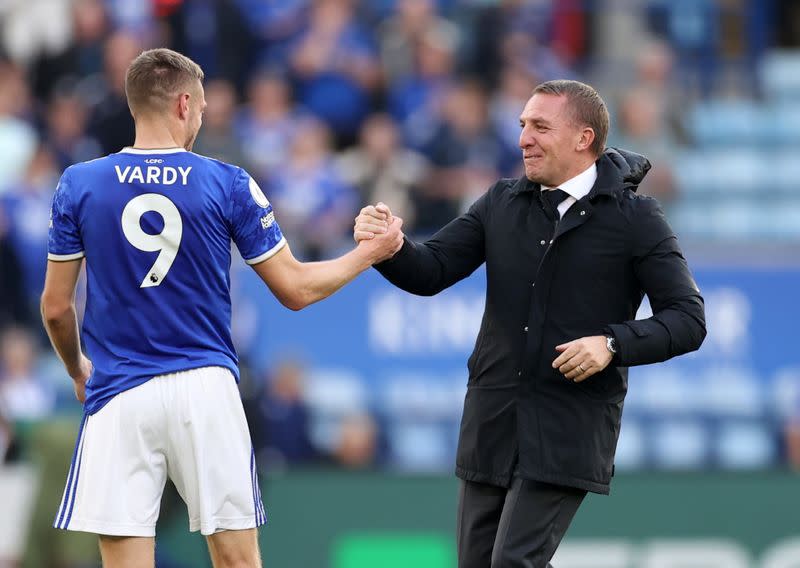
x: 382, y: 247
x: 373, y: 220
x: 582, y: 358
x: 80, y: 376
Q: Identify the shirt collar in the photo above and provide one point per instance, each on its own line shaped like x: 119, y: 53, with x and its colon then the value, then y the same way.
x: 148, y: 151
x: 580, y: 185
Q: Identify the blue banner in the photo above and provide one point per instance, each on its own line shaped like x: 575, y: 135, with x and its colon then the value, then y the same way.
x: 375, y: 329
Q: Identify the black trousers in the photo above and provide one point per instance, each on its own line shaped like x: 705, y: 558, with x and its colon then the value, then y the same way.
x: 519, y: 527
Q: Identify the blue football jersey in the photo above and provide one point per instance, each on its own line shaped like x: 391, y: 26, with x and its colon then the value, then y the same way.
x: 156, y: 228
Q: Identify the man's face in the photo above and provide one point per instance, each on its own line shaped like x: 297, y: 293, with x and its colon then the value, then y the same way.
x: 197, y: 104
x: 549, y: 139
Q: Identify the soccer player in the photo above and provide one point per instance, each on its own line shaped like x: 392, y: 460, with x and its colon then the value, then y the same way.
x: 155, y: 224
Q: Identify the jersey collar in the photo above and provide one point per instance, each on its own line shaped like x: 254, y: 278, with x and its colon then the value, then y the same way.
x: 149, y: 151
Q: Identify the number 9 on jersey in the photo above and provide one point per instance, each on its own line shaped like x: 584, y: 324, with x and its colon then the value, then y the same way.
x: 167, y: 242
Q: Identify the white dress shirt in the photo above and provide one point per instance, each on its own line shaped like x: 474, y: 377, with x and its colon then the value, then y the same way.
x: 576, y: 187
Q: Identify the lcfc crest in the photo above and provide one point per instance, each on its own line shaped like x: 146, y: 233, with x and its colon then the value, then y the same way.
x: 258, y: 195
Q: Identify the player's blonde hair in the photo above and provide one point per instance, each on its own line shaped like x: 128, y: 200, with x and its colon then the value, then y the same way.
x: 156, y: 76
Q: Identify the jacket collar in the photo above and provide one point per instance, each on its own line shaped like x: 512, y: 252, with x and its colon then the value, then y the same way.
x: 616, y: 170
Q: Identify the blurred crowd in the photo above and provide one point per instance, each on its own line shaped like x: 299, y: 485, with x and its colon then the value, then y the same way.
x: 332, y: 104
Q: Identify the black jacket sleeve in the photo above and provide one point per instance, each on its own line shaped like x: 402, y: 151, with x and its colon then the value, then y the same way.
x: 678, y: 323
x: 451, y: 254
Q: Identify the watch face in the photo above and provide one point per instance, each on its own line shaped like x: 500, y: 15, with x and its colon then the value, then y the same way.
x: 611, y: 343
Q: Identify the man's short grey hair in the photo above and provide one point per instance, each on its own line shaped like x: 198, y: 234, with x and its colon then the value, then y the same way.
x: 586, y: 105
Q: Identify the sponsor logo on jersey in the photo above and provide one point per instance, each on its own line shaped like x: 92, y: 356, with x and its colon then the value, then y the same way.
x: 267, y: 220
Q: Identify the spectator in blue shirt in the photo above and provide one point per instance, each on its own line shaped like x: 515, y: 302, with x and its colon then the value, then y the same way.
x: 466, y: 154
x: 404, y: 30
x: 415, y: 101
x: 218, y: 139
x: 280, y: 419
x: 66, y: 122
x: 27, y: 209
x: 274, y: 25
x: 337, y: 68
x: 266, y: 123
x: 316, y: 205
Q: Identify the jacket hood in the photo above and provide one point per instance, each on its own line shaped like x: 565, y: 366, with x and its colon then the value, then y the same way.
x: 617, y: 167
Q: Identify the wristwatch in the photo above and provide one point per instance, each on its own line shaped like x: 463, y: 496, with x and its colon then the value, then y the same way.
x: 611, y: 344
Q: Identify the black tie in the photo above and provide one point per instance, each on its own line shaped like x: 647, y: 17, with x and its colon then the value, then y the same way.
x: 552, y: 198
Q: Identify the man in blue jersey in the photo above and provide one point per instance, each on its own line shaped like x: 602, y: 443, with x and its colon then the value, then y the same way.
x: 155, y: 223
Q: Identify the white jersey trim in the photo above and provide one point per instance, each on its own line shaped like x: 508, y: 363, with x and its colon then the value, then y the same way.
x: 65, y: 257
x: 147, y: 151
x: 271, y: 252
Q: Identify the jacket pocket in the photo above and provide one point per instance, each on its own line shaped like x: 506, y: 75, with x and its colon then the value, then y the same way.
x: 606, y: 386
x: 476, y: 353
x: 473, y: 363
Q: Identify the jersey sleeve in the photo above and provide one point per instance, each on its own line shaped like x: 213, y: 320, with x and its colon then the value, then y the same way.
x: 64, y: 238
x: 252, y: 220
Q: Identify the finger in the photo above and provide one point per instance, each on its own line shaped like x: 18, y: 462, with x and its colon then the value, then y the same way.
x: 363, y: 236
x: 371, y: 220
x: 570, y: 365
x: 370, y: 211
x: 378, y: 214
x: 576, y: 369
x: 371, y: 227
x: 577, y: 356
x: 583, y: 376
x: 565, y: 356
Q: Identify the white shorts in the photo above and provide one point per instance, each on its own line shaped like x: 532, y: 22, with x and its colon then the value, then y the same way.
x: 189, y: 426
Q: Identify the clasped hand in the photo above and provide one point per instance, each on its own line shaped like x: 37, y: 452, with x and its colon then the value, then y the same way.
x: 376, y: 223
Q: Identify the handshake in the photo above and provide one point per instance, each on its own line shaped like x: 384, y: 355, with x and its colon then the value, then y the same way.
x: 378, y: 232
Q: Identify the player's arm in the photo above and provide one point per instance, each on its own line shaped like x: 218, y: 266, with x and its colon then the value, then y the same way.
x: 299, y: 284
x: 61, y: 321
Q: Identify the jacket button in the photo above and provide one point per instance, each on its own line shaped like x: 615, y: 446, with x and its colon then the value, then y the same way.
x: 542, y: 242
x: 583, y: 212
x: 526, y: 329
x: 519, y: 373
x: 551, y: 241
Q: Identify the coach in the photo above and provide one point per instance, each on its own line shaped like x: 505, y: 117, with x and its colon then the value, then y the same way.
x: 570, y: 250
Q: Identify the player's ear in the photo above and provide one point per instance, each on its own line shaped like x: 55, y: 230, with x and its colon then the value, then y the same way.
x: 183, y: 105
